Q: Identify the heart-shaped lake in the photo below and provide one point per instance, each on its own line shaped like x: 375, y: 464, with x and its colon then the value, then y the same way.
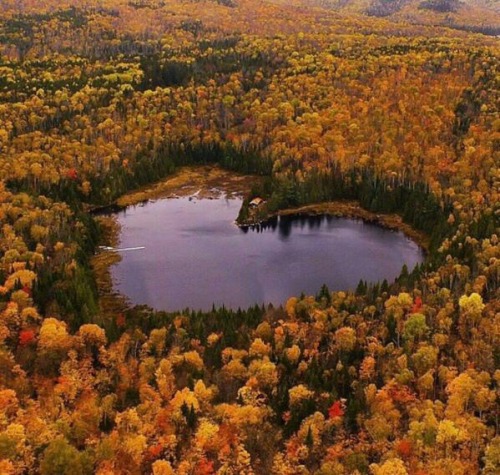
x: 186, y: 252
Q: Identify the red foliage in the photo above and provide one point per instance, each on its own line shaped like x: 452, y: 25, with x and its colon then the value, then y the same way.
x: 204, y: 467
x: 335, y: 410
x: 417, y: 305
x: 154, y: 451
x: 72, y: 174
x: 26, y: 337
x: 404, y: 448
x: 402, y: 394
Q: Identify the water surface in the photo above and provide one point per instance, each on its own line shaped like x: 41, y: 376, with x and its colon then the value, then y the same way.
x: 195, y: 256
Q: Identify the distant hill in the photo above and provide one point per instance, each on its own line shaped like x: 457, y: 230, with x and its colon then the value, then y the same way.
x: 482, y: 16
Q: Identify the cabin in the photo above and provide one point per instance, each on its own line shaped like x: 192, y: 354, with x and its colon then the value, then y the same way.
x: 256, y: 202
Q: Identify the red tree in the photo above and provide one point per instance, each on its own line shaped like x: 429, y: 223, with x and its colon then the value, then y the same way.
x: 335, y: 410
x: 26, y: 337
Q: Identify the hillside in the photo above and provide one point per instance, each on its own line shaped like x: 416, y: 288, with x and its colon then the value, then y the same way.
x: 481, y: 16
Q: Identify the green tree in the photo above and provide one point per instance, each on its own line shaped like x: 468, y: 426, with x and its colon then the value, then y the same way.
x: 61, y: 458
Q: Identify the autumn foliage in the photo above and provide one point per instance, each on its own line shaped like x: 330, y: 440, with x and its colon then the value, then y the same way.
x: 335, y: 410
x: 26, y: 337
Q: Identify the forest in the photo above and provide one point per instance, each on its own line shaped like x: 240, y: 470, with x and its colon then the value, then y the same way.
x: 392, y: 104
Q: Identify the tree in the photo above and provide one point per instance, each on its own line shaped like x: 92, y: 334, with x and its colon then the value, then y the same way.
x: 61, y: 458
x: 492, y: 457
x: 415, y: 328
x: 335, y: 410
x: 162, y: 467
x: 393, y: 466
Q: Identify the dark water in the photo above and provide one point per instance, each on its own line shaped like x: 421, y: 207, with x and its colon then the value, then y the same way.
x: 195, y: 256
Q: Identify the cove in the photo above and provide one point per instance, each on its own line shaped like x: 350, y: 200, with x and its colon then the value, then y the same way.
x: 195, y: 256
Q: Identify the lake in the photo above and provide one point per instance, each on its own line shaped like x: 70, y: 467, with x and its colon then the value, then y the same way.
x: 195, y: 256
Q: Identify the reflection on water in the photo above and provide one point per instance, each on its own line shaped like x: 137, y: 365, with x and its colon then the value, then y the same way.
x: 195, y: 256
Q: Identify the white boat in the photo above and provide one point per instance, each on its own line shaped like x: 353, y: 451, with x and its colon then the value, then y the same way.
x: 124, y: 249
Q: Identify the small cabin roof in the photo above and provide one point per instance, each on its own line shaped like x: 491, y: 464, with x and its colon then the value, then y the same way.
x: 256, y: 201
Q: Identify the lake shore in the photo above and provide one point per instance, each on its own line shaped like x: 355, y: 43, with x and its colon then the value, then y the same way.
x: 352, y: 209
x: 111, y: 302
x: 200, y: 182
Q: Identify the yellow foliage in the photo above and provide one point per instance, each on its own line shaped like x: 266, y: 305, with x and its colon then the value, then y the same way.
x: 391, y: 466
x: 135, y: 445
x: 240, y: 416
x: 92, y: 334
x: 165, y: 379
x: 162, y: 467
x: 472, y: 305
x: 264, y: 331
x: 202, y: 393
x: 53, y: 335
x: 206, y: 435
x: 235, y: 369
x: 181, y: 398
x: 367, y: 370
x: 448, y: 433
x: 299, y: 393
x: 293, y: 354
x: 345, y: 338
x: 23, y: 277
x: 315, y: 426
x: 212, y: 339
x: 258, y: 348
x: 290, y: 306
x: 265, y: 372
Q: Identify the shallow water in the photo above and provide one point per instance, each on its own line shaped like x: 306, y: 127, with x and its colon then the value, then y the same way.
x: 195, y: 256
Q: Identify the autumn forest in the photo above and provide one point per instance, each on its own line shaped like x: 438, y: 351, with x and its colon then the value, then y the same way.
x: 392, y: 106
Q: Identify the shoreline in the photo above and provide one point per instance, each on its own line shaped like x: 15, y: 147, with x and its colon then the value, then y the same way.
x: 202, y: 182
x: 352, y: 210
x: 111, y: 302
